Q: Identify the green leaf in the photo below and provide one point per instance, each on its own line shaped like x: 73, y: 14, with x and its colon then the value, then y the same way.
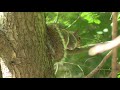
x: 97, y: 21
x: 105, y: 30
x: 99, y: 32
x: 91, y: 17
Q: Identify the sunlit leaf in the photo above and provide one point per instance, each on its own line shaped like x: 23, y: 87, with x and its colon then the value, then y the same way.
x: 91, y: 17
x: 99, y: 32
x: 105, y: 30
x: 97, y: 21
x: 118, y: 75
x: 119, y: 17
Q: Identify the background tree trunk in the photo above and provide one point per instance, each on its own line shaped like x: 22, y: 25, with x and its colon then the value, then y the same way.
x: 24, y: 45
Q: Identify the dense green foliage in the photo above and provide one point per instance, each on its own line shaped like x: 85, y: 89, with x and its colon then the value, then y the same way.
x: 94, y: 27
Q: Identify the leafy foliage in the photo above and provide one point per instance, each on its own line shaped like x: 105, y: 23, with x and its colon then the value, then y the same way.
x: 91, y: 17
x: 94, y: 27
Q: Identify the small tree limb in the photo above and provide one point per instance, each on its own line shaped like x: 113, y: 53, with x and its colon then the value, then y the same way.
x: 56, y: 20
x: 93, y: 72
x: 73, y: 22
x: 79, y: 50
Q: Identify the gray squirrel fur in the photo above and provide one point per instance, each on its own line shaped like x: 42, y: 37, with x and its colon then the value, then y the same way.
x: 60, y: 41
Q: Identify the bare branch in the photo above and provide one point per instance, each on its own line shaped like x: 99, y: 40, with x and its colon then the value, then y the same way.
x: 79, y: 50
x: 73, y: 22
x: 92, y: 73
x: 56, y: 20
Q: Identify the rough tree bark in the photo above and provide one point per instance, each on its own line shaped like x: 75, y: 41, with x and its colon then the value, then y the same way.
x: 23, y: 45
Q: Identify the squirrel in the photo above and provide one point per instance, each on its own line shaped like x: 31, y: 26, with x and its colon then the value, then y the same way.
x: 61, y: 40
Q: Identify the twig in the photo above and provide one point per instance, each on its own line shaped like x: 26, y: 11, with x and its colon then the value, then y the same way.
x: 73, y: 22
x: 92, y: 73
x: 79, y: 50
x: 75, y: 65
x: 56, y: 20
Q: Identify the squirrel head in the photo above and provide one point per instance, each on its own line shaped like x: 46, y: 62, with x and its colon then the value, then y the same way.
x: 77, y: 36
x: 74, y: 41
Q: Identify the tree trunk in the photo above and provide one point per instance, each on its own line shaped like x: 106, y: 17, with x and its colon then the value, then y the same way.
x: 23, y: 45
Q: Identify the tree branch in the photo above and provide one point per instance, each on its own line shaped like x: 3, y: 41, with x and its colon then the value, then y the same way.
x: 79, y: 50
x: 92, y: 73
x: 56, y: 20
x: 73, y: 22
